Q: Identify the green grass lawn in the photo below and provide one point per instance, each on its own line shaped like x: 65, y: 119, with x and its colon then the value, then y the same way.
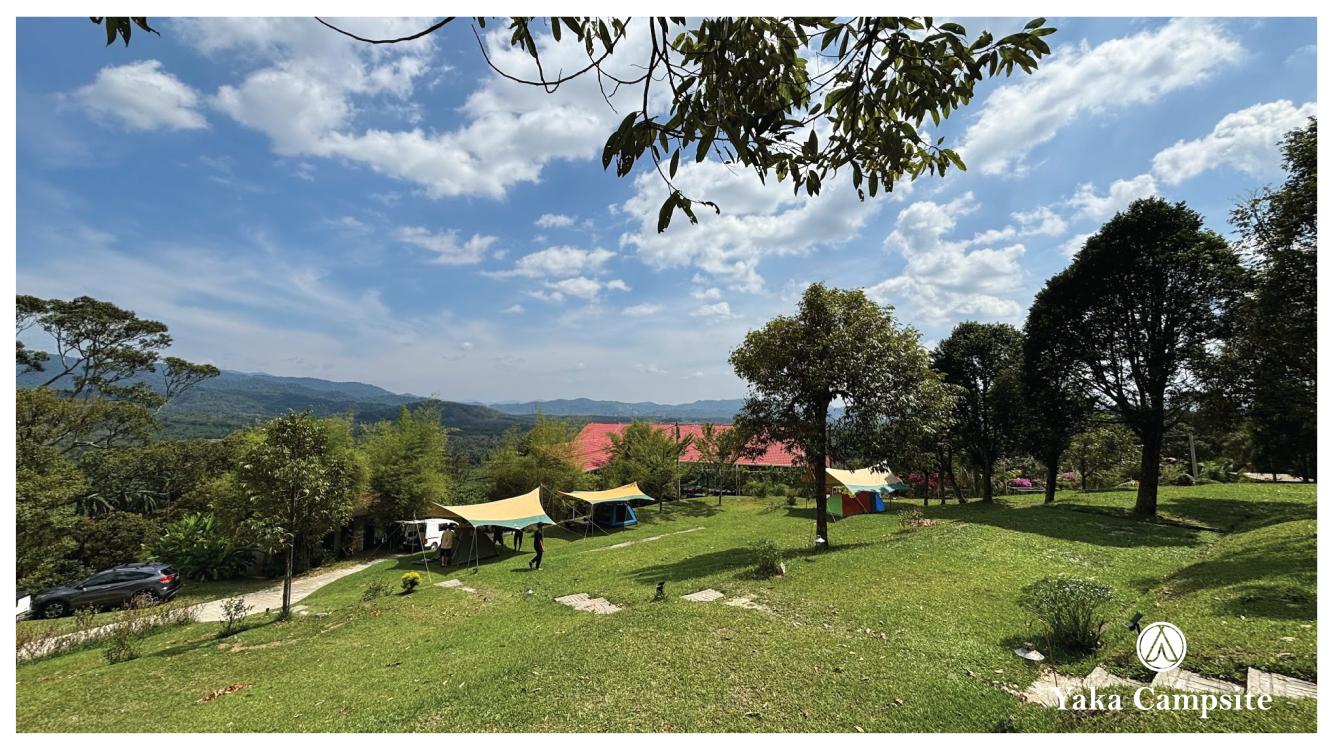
x: 892, y: 630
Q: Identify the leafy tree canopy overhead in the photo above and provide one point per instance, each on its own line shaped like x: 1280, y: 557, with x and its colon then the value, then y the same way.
x: 794, y: 99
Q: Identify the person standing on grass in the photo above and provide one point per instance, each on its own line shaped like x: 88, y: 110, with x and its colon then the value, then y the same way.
x: 536, y: 562
x: 447, y: 546
x: 518, y: 540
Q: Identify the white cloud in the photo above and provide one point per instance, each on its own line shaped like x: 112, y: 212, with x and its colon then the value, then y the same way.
x: 649, y: 369
x: 558, y: 262
x: 943, y: 279
x: 1089, y: 205
x: 449, y: 251
x: 310, y: 86
x: 142, y: 96
x: 580, y: 287
x: 548, y: 221
x: 514, y: 309
x: 1078, y: 81
x: 641, y: 311
x: 757, y: 221
x: 1041, y: 221
x: 1247, y: 140
x: 714, y: 310
x: 1072, y: 245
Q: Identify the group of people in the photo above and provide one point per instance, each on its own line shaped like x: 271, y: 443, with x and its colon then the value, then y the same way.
x: 450, y: 536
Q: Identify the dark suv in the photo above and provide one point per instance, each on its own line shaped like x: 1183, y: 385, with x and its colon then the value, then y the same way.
x: 114, y: 587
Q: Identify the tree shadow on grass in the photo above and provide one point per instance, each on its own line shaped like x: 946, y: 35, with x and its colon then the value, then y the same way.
x: 722, y: 561
x: 1055, y: 522
x: 1246, y: 574
x: 1237, y: 515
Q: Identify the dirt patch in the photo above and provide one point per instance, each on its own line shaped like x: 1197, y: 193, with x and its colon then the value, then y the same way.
x: 228, y: 690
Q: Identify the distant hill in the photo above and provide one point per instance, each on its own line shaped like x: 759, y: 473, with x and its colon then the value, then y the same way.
x: 715, y: 410
x: 236, y: 400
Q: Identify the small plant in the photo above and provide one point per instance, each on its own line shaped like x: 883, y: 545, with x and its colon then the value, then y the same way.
x: 768, y: 559
x: 83, y: 618
x: 375, y: 590
x: 410, y: 580
x: 1070, y: 608
x: 121, y: 648
x: 233, y: 611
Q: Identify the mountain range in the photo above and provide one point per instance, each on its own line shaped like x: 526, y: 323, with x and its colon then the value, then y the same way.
x: 235, y: 400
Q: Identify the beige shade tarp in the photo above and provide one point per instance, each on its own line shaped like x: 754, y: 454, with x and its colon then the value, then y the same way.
x: 622, y: 494
x: 865, y: 480
x: 511, y: 513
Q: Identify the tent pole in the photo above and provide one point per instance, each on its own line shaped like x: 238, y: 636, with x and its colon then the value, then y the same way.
x: 421, y: 540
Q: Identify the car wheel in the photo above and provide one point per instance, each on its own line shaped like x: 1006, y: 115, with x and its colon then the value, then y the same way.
x: 433, y: 546
x: 52, y: 610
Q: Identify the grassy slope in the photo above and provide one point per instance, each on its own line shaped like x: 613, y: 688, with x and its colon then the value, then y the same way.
x: 891, y: 631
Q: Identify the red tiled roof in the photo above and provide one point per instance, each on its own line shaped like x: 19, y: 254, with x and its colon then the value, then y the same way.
x: 592, y: 447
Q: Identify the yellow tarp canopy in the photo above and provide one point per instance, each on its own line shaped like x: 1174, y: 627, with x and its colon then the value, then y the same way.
x: 865, y: 480
x: 621, y: 494
x: 511, y: 513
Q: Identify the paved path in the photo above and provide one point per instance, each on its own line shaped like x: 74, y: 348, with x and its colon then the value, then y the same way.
x: 271, y: 598
x: 260, y: 601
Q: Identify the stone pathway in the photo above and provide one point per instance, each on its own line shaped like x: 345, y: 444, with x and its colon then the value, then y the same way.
x: 707, y: 595
x: 1259, y: 682
x: 1043, y: 690
x: 623, y: 545
x: 584, y: 603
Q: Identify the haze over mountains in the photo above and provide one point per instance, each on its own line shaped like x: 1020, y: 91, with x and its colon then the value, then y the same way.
x: 235, y: 400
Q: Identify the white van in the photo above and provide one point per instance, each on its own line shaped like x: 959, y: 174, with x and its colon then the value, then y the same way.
x: 425, y: 532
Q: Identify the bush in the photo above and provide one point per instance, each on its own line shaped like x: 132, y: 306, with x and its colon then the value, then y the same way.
x: 410, y: 580
x: 120, y: 649
x: 768, y: 559
x: 1070, y: 609
x: 233, y: 611
x: 1184, y: 480
x: 199, y: 550
x: 113, y: 539
x: 375, y: 590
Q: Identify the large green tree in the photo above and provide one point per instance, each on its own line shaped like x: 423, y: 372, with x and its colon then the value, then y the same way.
x: 544, y: 456
x: 840, y: 348
x: 296, y: 481
x: 720, y: 447
x: 1054, y: 405
x: 745, y: 90
x: 1271, y: 364
x: 1148, y: 296
x: 983, y: 361
x: 650, y: 456
x: 409, y: 463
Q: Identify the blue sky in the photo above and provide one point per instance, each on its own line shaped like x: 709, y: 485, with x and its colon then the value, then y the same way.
x: 289, y: 201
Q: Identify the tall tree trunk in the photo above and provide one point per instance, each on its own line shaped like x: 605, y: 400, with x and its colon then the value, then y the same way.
x: 957, y: 489
x: 1052, y: 475
x: 1082, y: 473
x: 1150, y: 470
x: 287, y: 581
x: 987, y: 474
x: 821, y: 482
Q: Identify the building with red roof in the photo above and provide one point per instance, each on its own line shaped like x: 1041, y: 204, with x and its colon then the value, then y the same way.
x: 592, y: 447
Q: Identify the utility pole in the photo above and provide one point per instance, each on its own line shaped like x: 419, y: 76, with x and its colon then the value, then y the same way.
x: 1194, y: 462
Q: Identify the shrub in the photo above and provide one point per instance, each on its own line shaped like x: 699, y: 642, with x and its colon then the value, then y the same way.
x: 199, y: 550
x: 1184, y: 480
x: 375, y: 590
x: 410, y: 580
x: 767, y: 558
x: 233, y: 611
x: 113, y: 539
x: 1070, y: 608
x: 121, y: 648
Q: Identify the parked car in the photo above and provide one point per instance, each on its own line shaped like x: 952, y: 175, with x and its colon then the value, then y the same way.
x: 425, y: 532
x: 153, y: 582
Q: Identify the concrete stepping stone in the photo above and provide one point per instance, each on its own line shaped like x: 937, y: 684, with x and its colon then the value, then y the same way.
x: 584, y: 603
x: 746, y: 603
x: 454, y: 583
x: 1191, y: 682
x: 707, y: 595
x: 1102, y: 679
x: 1259, y: 682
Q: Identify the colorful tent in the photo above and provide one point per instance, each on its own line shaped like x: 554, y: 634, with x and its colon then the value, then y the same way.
x: 612, y: 507
x: 510, y: 513
x: 864, y: 490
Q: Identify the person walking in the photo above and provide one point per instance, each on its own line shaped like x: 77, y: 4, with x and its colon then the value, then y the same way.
x: 447, y: 546
x: 518, y: 540
x: 536, y: 562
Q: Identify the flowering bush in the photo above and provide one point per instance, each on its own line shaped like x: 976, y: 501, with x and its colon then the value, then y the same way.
x: 1070, y: 608
x: 1021, y: 483
x: 411, y: 579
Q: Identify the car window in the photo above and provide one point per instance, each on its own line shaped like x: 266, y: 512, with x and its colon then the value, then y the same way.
x: 100, y: 579
x: 133, y: 575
